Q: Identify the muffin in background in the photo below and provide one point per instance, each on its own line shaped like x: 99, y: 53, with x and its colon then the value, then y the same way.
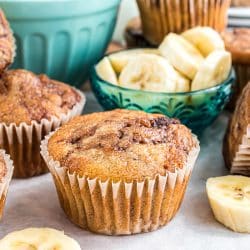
x: 122, y: 171
x: 236, y: 147
x: 6, y: 171
x: 7, y: 43
x: 237, y: 42
x: 31, y: 106
x: 161, y: 17
x: 240, y: 3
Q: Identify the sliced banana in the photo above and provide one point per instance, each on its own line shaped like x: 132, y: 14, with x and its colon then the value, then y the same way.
x: 149, y: 72
x: 181, y: 54
x: 182, y: 83
x: 120, y: 59
x: 205, y: 39
x: 229, y: 197
x: 214, y: 70
x: 38, y: 239
x: 105, y: 71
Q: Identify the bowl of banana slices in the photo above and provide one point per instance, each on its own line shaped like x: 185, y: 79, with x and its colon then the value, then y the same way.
x: 189, y: 77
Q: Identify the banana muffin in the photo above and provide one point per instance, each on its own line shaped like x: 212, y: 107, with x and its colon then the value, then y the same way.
x: 30, y: 107
x: 6, y: 171
x: 162, y: 17
x: 123, y: 171
x: 7, y: 43
x: 237, y: 42
x: 236, y: 148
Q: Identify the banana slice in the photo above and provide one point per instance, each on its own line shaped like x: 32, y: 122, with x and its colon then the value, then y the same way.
x: 38, y: 239
x: 182, y: 84
x: 181, y: 54
x: 120, y: 59
x: 229, y: 197
x: 149, y: 72
x: 205, y: 39
x: 105, y: 71
x: 214, y: 70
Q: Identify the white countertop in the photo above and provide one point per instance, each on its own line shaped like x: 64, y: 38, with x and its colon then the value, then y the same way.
x: 33, y: 203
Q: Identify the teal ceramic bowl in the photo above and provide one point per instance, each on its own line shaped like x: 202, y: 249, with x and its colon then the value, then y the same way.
x: 196, y: 109
x: 62, y: 38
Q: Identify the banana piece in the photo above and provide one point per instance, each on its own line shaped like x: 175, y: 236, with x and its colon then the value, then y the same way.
x: 214, y: 70
x: 182, y: 83
x: 120, y: 59
x: 205, y: 39
x: 229, y: 197
x: 149, y: 72
x: 105, y: 70
x: 181, y: 54
x: 38, y: 239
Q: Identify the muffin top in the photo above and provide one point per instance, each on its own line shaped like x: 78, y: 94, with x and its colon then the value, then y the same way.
x: 238, y: 126
x: 26, y: 97
x: 121, y: 145
x: 3, y: 168
x: 237, y: 41
x: 7, y: 44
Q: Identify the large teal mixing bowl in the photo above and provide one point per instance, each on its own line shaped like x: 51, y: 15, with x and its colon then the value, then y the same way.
x: 62, y: 38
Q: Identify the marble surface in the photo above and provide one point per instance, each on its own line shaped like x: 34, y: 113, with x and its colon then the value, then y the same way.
x: 33, y: 203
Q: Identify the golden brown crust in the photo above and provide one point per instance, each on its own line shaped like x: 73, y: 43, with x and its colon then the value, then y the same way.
x: 26, y: 97
x: 121, y: 144
x: 3, y: 168
x: 237, y: 127
x: 7, y: 44
x: 240, y: 3
x: 237, y: 41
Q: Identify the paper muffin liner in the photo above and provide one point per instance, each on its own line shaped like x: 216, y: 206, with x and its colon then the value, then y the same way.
x: 161, y: 17
x: 241, y: 161
x: 119, y: 208
x: 4, y: 183
x: 22, y: 142
x: 242, y: 72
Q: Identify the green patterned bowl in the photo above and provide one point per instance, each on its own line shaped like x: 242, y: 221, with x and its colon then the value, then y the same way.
x: 196, y: 109
x: 62, y: 38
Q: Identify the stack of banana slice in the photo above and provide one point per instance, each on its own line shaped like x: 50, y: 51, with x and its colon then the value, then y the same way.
x: 194, y: 60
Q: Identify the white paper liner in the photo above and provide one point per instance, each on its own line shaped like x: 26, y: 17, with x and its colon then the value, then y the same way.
x: 22, y: 142
x: 4, y: 183
x: 119, y: 208
x: 241, y: 161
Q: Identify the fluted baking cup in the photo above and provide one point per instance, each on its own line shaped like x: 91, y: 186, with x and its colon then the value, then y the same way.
x: 119, y: 208
x: 4, y: 183
x: 22, y: 142
x: 164, y: 16
x: 241, y: 160
x: 242, y: 72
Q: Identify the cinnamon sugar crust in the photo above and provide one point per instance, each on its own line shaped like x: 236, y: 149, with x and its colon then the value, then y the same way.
x: 237, y: 41
x: 3, y: 168
x: 121, y: 144
x: 26, y: 97
x: 7, y: 44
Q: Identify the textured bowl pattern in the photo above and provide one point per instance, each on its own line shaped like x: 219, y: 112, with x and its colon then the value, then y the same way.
x: 197, y: 109
x: 65, y: 43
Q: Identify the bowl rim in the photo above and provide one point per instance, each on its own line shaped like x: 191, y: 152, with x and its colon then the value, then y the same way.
x: 227, y: 81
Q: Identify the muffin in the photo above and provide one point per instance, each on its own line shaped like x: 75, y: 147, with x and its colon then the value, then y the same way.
x: 134, y: 36
x: 240, y: 3
x: 161, y: 17
x: 7, y: 43
x: 30, y: 107
x: 237, y: 41
x: 236, y: 148
x: 6, y: 171
x: 122, y: 171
